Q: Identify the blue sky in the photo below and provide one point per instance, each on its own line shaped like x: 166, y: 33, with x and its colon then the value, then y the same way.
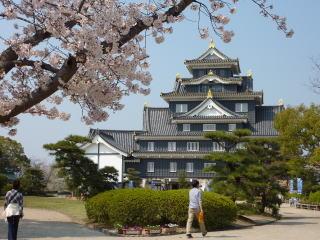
x: 281, y: 68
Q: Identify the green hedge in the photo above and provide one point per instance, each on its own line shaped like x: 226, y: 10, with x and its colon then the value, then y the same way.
x: 314, y: 197
x: 147, y: 207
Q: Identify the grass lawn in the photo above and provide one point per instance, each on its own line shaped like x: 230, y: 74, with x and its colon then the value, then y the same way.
x: 73, y: 208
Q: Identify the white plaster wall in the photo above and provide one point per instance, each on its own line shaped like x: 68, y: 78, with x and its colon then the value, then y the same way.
x: 112, y: 158
x: 111, y: 161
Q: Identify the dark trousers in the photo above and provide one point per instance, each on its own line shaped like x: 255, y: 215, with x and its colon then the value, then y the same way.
x: 13, y: 223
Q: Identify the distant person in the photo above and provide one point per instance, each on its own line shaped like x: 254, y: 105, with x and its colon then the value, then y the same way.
x: 13, y: 206
x: 195, y: 208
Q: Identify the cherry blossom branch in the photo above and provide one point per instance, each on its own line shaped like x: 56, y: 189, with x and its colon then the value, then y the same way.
x: 95, y: 56
x: 280, y: 21
x: 140, y: 26
x: 30, y: 63
x: 65, y: 73
x: 9, y: 55
x: 315, y: 81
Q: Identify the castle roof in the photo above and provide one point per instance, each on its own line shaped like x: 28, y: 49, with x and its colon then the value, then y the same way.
x: 158, y: 124
x: 264, y: 125
x: 181, y: 95
x: 211, y: 77
x: 213, y: 57
x: 120, y: 139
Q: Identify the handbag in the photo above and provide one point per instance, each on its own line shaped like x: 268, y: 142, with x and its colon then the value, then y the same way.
x: 12, y: 208
x: 201, y: 217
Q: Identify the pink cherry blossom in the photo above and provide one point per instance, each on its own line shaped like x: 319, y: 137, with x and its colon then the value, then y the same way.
x: 91, y: 53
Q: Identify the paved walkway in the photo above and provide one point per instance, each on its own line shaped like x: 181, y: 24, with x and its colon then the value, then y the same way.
x: 296, y: 224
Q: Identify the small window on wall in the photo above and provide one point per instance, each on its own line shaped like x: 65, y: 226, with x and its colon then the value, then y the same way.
x: 217, y: 88
x: 192, y: 146
x: 150, y: 167
x: 206, y: 165
x: 241, y: 145
x: 209, y: 127
x: 217, y: 147
x: 189, y: 167
x: 150, y: 146
x: 232, y: 127
x: 181, y: 108
x: 241, y: 107
x: 186, y: 127
x: 173, y: 167
x: 209, y: 165
x: 171, y: 146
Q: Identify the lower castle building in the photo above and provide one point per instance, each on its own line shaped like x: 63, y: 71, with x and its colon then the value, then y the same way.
x: 171, y: 142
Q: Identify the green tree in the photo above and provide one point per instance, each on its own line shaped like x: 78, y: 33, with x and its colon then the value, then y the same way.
x: 183, y: 183
x: 134, y: 175
x: 109, y: 177
x: 249, y: 169
x: 33, y: 181
x: 299, y: 136
x: 81, y: 174
x: 12, y: 156
x: 3, y: 182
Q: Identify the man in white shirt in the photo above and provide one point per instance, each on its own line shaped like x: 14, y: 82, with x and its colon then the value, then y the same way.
x: 195, y: 207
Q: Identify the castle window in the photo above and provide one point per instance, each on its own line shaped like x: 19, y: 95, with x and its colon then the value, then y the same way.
x: 150, y: 146
x: 209, y: 127
x: 186, y: 127
x: 217, y: 147
x: 192, y: 146
x: 241, y: 145
x: 181, y: 108
x: 173, y: 166
x: 150, y: 167
x: 171, y: 146
x: 209, y: 165
x: 189, y: 167
x: 217, y: 88
x: 241, y: 107
x: 232, y: 127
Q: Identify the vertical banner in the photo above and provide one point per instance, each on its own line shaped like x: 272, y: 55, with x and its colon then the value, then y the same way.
x: 291, y: 186
x: 131, y: 184
x: 299, y: 185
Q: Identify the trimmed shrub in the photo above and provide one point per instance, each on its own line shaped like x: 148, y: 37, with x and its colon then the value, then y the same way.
x: 314, y: 197
x: 174, y: 206
x: 97, y: 207
x: 143, y: 207
x: 219, y: 210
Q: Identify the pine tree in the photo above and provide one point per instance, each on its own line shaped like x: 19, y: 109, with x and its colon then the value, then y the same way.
x: 249, y: 169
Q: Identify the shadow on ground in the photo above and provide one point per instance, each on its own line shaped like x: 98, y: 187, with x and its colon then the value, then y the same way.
x: 50, y: 229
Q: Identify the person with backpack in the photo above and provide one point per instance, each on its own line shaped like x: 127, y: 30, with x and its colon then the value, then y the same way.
x: 13, y: 206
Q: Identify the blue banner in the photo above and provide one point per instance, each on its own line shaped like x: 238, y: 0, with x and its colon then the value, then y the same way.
x: 299, y: 185
x: 291, y: 186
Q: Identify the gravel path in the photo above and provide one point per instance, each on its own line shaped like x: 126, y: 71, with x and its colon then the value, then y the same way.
x: 296, y: 224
